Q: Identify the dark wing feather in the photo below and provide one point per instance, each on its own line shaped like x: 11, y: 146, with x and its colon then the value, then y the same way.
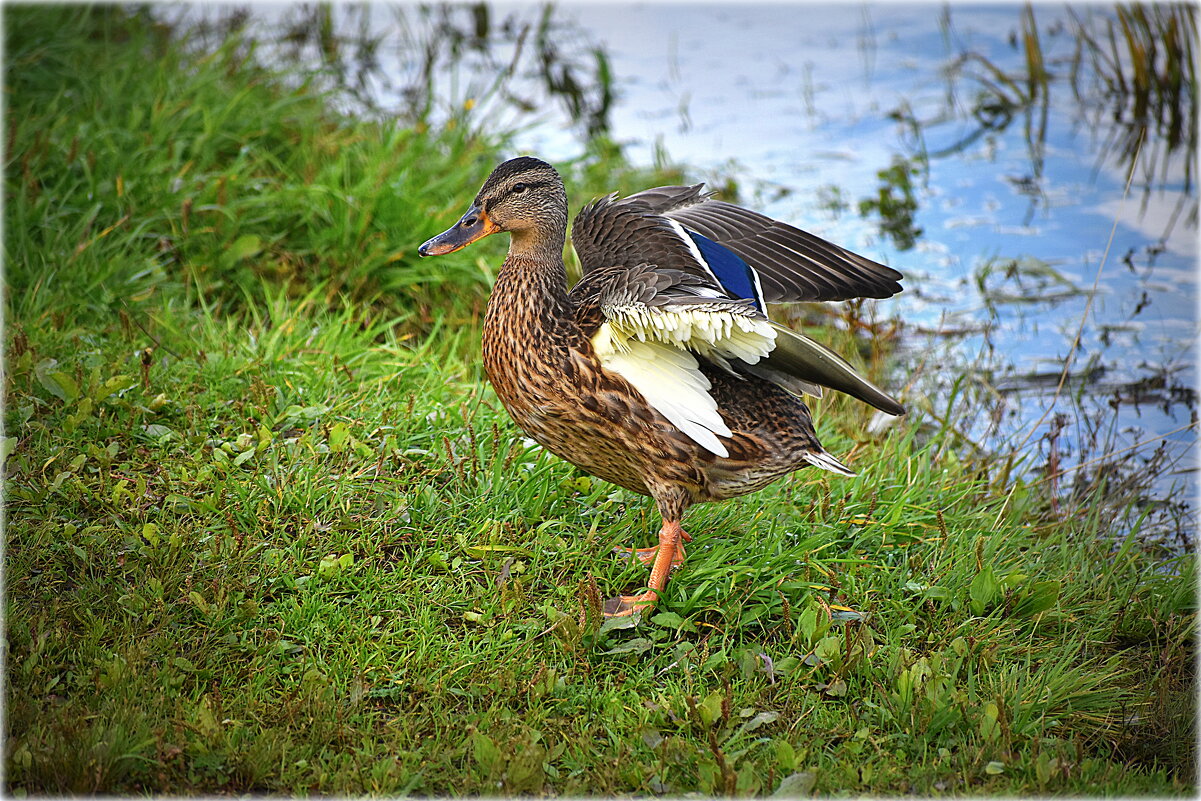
x: 792, y: 264
x: 629, y: 232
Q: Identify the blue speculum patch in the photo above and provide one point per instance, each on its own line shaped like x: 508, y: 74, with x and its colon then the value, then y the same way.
x: 734, y: 274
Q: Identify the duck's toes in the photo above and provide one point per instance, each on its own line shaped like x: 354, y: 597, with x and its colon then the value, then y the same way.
x: 626, y: 605
x: 647, y: 555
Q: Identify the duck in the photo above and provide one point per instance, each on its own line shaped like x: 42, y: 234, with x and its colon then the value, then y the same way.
x: 660, y: 370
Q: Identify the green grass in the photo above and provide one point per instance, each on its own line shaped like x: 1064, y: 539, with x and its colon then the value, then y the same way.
x: 269, y: 529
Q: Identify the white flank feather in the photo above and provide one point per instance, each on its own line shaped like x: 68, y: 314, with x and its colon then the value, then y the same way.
x: 671, y: 382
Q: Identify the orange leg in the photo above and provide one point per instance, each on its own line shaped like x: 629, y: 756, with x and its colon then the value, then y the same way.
x: 647, y: 555
x: 667, y: 554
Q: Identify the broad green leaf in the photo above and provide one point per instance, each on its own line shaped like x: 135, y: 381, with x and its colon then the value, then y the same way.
x: 115, y: 385
x: 155, y: 430
x: 1044, y: 766
x: 785, y: 755
x: 786, y: 665
x: 670, y: 620
x: 486, y: 754
x: 199, y: 601
x: 56, y: 382
x: 333, y: 564
x: 989, y: 726
x: 937, y: 593
x: 339, y: 433
x: 747, y: 783
x: 206, y: 720
x: 245, y: 246
x: 302, y: 416
x: 710, y: 708
x: 984, y: 591
x: 1011, y: 580
x: 22, y: 364
x: 651, y: 738
x: 761, y: 719
x: 635, y: 646
x: 752, y: 613
x: 812, y: 659
x: 795, y: 785
x: 615, y: 623
x: 1040, y: 597
x: 523, y: 774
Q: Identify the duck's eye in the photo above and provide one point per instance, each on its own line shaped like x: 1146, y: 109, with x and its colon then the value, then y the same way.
x: 519, y: 188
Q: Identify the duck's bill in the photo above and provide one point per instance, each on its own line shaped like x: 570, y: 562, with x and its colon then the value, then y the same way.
x: 472, y: 226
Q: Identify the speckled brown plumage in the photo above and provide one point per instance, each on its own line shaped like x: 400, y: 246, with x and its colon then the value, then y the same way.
x: 540, y: 357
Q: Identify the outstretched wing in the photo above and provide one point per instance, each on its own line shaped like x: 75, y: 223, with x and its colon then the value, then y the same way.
x: 750, y: 255
x: 650, y: 233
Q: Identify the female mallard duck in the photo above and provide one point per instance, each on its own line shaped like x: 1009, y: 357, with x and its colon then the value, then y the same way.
x: 660, y: 370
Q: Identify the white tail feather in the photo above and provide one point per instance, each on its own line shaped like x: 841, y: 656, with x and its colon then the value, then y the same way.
x: 825, y: 461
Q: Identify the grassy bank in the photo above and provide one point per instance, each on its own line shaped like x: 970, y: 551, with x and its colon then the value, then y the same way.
x: 268, y: 529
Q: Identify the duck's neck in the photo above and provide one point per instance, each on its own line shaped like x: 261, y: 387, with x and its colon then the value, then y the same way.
x: 533, y: 276
x: 530, y: 317
x: 543, y: 245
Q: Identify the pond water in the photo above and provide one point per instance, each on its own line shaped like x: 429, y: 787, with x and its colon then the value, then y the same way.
x: 1005, y: 215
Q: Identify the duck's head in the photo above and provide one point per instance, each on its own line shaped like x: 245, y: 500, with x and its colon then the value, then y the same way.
x: 524, y: 196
